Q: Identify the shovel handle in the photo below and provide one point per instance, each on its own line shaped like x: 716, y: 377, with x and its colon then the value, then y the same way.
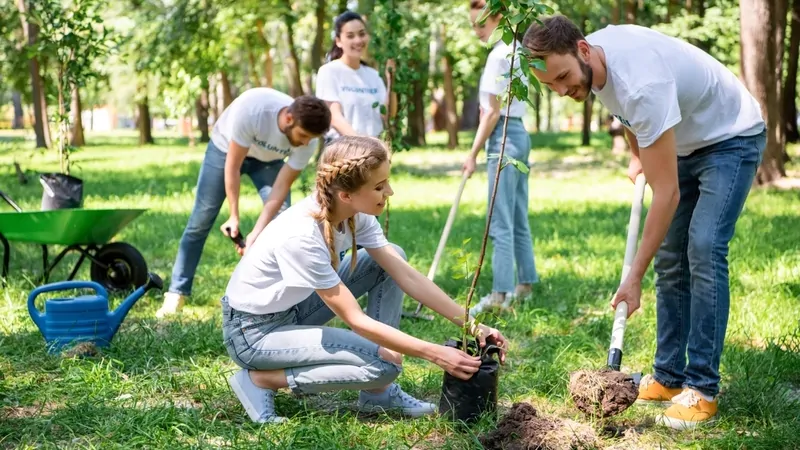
x: 448, y: 225
x: 621, y: 311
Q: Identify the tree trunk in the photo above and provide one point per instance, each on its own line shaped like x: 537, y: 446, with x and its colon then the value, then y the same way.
x: 761, y: 63
x: 251, y: 68
x: 143, y: 108
x: 342, y: 6
x: 317, y: 51
x: 630, y: 11
x: 268, y: 63
x: 790, y: 84
x: 227, y: 98
x: 586, y: 128
x: 451, y: 122
x: 292, y: 64
x: 416, y: 110
x: 19, y: 115
x: 41, y: 124
x: 550, y: 110
x: 470, y: 109
x: 538, y: 112
x: 201, y: 108
x: 77, y: 139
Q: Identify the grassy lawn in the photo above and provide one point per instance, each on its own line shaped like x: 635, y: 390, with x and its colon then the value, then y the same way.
x: 162, y: 384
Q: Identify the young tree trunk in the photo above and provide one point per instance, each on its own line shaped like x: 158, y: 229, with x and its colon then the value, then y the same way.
x: 143, y: 112
x: 268, y: 62
x: 470, y: 109
x: 451, y: 122
x: 416, y: 110
x: 19, y: 114
x: 41, y: 125
x: 761, y: 64
x: 586, y: 128
x: 790, y: 83
x: 201, y: 108
x: 292, y: 64
x: 630, y: 11
x: 77, y: 139
x: 227, y: 98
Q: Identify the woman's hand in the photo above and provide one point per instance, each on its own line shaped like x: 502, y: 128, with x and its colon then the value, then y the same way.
x: 494, y: 337
x: 456, y: 363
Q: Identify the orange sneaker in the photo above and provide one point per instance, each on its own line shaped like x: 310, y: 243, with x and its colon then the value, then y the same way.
x: 689, y: 409
x: 653, y: 392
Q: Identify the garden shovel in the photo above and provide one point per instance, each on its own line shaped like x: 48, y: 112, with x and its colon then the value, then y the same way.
x: 621, y: 312
x: 442, y: 241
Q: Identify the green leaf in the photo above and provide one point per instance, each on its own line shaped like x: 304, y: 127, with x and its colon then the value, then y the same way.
x: 519, y: 165
x: 495, y: 36
x: 538, y: 64
x: 508, y: 36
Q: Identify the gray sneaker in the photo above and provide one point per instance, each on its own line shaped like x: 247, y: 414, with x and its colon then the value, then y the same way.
x: 394, y: 399
x: 258, y: 402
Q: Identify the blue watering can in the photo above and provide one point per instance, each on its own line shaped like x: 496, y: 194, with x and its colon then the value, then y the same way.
x: 85, y: 318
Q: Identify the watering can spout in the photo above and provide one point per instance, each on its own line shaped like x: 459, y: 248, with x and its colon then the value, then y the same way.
x: 118, y: 315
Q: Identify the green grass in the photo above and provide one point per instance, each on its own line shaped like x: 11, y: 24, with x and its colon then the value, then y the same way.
x: 162, y: 384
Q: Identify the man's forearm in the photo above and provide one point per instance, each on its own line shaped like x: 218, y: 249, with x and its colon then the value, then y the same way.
x: 274, y: 202
x: 232, y: 179
x: 656, y: 225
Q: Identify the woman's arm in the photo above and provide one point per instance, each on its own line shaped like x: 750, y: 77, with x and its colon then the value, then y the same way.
x: 341, y: 301
x: 426, y: 291
x: 338, y: 121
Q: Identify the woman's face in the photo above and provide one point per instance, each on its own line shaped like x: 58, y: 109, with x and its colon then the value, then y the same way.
x: 353, y: 39
x: 483, y: 31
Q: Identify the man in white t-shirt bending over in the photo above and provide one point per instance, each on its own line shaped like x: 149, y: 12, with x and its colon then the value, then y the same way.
x: 698, y: 136
x: 253, y: 136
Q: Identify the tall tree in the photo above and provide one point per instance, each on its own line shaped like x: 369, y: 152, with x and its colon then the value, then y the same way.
x: 41, y: 125
x: 790, y: 83
x: 762, y: 27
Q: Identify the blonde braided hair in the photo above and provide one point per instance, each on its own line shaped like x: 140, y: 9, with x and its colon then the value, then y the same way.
x: 345, y: 166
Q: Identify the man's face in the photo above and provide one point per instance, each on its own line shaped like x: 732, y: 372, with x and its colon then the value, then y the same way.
x: 567, y: 75
x: 297, y: 136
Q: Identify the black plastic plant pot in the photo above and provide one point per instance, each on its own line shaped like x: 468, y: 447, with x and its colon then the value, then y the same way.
x: 61, y: 191
x: 468, y: 400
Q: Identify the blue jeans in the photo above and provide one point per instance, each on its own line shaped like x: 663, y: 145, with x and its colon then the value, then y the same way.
x: 208, y: 201
x: 692, y: 288
x: 510, y: 231
x: 316, y: 358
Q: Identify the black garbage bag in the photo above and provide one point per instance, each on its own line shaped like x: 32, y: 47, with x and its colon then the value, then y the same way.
x: 61, y: 191
x: 467, y: 400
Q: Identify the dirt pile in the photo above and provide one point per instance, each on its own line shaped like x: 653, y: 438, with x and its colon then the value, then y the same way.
x: 523, y: 428
x: 602, y: 393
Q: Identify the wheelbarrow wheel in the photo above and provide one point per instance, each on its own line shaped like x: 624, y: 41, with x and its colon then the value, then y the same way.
x: 119, y: 266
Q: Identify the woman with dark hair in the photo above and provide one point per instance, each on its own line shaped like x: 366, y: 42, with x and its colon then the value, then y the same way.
x: 353, y: 90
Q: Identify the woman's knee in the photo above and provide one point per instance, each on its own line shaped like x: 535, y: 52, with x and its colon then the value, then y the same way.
x: 390, y: 355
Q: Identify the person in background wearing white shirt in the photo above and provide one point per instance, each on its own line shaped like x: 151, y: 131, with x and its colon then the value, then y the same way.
x: 349, y: 86
x: 510, y: 230
x: 296, y: 278
x: 253, y: 136
x: 698, y: 137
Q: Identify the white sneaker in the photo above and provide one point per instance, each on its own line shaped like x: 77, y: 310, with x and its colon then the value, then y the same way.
x: 489, y: 300
x: 173, y: 304
x: 258, y: 402
x: 394, y: 399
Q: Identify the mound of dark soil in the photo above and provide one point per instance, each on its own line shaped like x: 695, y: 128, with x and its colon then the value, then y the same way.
x: 602, y: 393
x: 523, y: 428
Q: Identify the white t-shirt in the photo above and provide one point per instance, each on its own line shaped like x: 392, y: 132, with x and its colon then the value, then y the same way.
x: 498, y: 63
x: 289, y: 260
x: 357, y: 91
x: 656, y: 82
x: 251, y: 121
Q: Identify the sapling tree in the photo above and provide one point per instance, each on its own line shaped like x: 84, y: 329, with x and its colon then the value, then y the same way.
x: 523, y: 86
x: 73, y: 34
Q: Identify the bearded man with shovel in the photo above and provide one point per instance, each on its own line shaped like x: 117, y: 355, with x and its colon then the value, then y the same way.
x: 698, y: 136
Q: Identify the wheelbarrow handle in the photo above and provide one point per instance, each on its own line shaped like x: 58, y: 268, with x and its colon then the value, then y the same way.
x: 63, y: 286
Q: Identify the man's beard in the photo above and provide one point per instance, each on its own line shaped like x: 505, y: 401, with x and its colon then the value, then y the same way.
x: 586, y: 79
x: 288, y: 133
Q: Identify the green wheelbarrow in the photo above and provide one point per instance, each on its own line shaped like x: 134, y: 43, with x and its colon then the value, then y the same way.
x: 115, y: 265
